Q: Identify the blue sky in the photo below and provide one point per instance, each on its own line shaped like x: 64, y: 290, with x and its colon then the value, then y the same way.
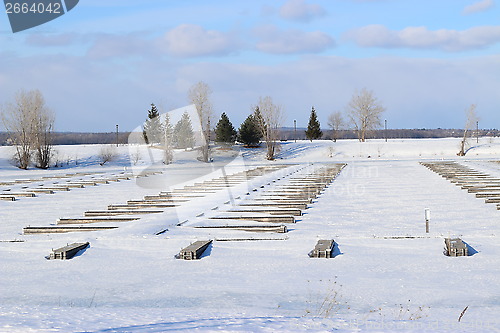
x: 105, y: 61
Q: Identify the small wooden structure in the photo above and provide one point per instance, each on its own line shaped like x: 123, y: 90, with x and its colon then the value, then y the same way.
x: 455, y: 247
x: 323, y: 249
x: 194, y: 251
x: 62, y: 229
x: 97, y: 219
x: 254, y: 228
x: 68, y: 251
x: 120, y: 212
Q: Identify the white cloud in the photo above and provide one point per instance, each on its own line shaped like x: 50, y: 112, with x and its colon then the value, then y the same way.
x: 273, y: 40
x: 299, y: 10
x: 189, y: 40
x: 479, y: 6
x: 422, y: 38
x: 89, y: 95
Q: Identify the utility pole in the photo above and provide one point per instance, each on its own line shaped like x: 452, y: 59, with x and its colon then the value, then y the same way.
x: 117, y: 135
x: 477, y: 131
x: 385, y: 132
x: 295, y: 129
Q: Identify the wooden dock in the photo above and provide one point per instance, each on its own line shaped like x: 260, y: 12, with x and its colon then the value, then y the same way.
x: 254, y: 228
x: 323, y: 249
x: 258, y: 218
x: 97, y: 219
x: 455, y: 247
x: 194, y: 251
x: 68, y: 251
x: 62, y: 229
x: 120, y: 212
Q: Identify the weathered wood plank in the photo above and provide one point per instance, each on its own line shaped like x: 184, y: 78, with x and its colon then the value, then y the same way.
x: 323, y: 249
x: 194, y: 251
x: 83, y: 220
x: 455, y: 247
x: 62, y: 229
x: 68, y: 251
x: 120, y: 212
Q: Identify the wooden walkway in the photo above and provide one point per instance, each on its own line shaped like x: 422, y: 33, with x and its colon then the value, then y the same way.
x: 323, y: 249
x: 61, y: 183
x: 194, y: 251
x: 68, y: 251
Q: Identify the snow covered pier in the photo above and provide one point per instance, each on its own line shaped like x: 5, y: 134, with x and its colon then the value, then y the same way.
x: 283, y: 204
x: 68, y: 251
x: 254, y: 228
x: 19, y: 194
x: 142, y: 206
x: 114, y: 212
x: 63, y: 229
x: 194, y: 251
x: 268, y: 210
x: 42, y: 190
x: 455, y: 247
x: 323, y: 249
x: 257, y: 217
x: 97, y: 219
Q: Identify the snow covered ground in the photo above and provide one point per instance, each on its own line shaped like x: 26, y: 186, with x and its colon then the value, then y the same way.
x: 388, y: 275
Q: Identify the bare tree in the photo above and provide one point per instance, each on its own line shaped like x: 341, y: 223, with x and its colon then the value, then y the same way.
x: 472, y: 119
x: 168, y: 140
x: 199, y: 95
x: 43, y: 143
x: 364, y: 112
x: 269, y: 118
x: 336, y: 123
x: 107, y: 153
x: 30, y: 125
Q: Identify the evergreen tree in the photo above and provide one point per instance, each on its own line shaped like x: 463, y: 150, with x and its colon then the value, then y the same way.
x: 224, y: 131
x: 183, y: 132
x: 249, y: 133
x: 260, y: 122
x: 168, y: 140
x: 313, y: 131
x: 153, y: 131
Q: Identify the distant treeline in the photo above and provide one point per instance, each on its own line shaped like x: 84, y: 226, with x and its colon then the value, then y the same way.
x: 287, y: 133
x: 72, y: 138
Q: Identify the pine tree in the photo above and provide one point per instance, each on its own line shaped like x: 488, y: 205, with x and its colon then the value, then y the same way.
x: 153, y: 131
x: 183, y: 132
x: 168, y: 140
x: 249, y: 133
x: 313, y: 131
x: 260, y: 122
x: 224, y: 131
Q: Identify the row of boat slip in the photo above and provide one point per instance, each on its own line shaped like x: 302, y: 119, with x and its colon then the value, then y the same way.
x: 65, y: 185
x: 481, y: 184
x: 133, y: 210
x: 282, y: 203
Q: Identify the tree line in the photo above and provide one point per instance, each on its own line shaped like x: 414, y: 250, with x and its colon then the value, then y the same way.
x: 30, y: 127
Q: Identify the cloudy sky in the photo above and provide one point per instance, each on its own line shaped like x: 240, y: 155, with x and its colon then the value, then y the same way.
x: 105, y: 61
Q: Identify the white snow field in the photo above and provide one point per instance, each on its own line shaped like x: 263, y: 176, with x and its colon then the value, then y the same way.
x: 387, y: 275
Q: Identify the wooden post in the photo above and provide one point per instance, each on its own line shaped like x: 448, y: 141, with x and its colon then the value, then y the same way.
x: 427, y: 218
x: 385, y: 132
x: 295, y: 129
